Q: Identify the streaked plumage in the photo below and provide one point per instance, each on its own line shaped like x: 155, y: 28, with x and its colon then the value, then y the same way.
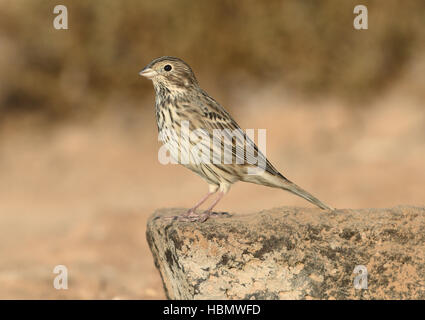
x: 179, y: 98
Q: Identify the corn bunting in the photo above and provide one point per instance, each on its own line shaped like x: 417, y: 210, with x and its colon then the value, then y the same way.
x: 180, y: 105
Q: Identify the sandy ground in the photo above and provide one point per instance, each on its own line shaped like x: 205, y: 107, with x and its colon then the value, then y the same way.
x: 80, y: 195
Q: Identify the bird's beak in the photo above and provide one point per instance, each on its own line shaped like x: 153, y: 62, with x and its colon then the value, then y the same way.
x: 148, y: 73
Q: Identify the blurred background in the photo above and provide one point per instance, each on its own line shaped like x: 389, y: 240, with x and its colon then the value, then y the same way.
x: 79, y: 174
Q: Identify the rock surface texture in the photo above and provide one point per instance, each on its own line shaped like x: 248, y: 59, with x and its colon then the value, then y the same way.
x: 293, y: 253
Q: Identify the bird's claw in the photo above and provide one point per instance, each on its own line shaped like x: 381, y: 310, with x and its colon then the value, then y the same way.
x: 217, y: 214
x: 191, y: 216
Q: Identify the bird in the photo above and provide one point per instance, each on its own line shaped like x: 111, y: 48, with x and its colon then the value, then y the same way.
x: 181, y: 104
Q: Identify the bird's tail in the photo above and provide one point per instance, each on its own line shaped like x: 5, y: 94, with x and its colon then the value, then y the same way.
x: 276, y: 180
x: 292, y: 187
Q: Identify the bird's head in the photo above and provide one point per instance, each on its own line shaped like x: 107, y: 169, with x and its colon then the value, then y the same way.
x: 170, y: 72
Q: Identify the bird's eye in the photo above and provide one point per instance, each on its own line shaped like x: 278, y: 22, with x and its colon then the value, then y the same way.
x: 167, y: 67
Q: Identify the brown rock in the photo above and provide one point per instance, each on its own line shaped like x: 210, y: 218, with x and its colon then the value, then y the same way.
x: 292, y: 253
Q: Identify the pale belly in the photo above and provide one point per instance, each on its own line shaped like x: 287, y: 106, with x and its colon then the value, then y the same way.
x: 195, y: 158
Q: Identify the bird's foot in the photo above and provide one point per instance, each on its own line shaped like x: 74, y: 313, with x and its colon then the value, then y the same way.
x: 212, y: 214
x: 191, y: 216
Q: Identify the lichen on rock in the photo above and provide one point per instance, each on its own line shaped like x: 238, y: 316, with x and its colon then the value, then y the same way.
x: 292, y: 253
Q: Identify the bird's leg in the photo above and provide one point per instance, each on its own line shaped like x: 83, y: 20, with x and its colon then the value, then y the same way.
x: 220, y: 196
x: 193, y: 217
x: 190, y: 214
x: 199, y: 203
x: 208, y: 213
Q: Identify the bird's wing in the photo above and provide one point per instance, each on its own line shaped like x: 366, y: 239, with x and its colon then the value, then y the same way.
x: 212, y: 116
